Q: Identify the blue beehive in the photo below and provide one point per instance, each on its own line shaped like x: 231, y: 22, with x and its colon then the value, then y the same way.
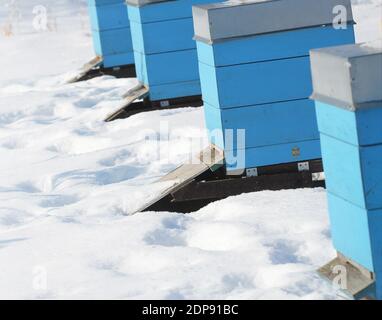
x: 348, y: 92
x: 111, y: 32
x: 255, y: 74
x: 165, y: 53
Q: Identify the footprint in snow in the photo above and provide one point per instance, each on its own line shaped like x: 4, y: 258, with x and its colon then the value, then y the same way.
x: 56, y: 201
x: 284, y: 251
x: 85, y: 103
x: 7, y: 242
x: 111, y: 161
x: 234, y: 281
x: 165, y: 238
x: 27, y: 187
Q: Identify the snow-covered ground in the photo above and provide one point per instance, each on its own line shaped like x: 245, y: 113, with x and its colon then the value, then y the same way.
x: 68, y: 182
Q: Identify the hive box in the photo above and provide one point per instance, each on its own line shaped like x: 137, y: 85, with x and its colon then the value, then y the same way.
x: 111, y: 32
x: 255, y: 74
x: 164, y: 49
x: 347, y: 88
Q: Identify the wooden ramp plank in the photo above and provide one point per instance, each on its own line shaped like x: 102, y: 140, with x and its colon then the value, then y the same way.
x: 137, y: 93
x: 209, y: 159
x: 358, y: 279
x: 185, y: 173
x: 95, y: 62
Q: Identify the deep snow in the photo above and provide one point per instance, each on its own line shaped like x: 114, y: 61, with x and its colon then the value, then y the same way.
x: 68, y: 182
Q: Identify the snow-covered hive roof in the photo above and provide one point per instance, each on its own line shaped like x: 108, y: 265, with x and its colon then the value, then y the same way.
x: 348, y: 76
x: 232, y: 19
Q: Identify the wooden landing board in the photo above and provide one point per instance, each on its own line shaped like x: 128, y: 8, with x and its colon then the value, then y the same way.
x: 137, y: 93
x: 358, y: 279
x: 95, y: 62
x: 209, y: 159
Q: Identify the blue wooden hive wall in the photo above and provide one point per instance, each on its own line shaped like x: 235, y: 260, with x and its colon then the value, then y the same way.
x: 347, y: 89
x: 111, y: 32
x: 255, y: 75
x: 164, y: 49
